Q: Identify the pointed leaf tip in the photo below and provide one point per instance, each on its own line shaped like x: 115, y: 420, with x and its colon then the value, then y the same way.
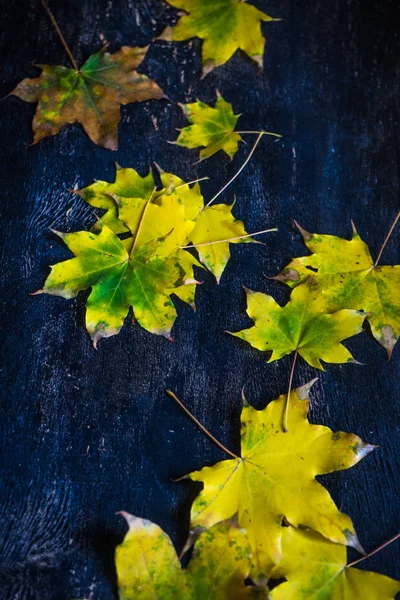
x: 58, y: 233
x: 353, y: 542
x: 247, y: 290
x: 303, y: 391
x: 353, y: 227
x: 127, y: 516
x: 306, y: 234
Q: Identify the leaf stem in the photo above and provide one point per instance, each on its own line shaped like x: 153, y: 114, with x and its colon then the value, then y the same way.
x: 237, y: 172
x: 60, y: 35
x: 187, y: 411
x: 239, y: 237
x: 286, y: 412
x: 141, y: 221
x: 355, y: 562
x: 387, y: 238
x: 190, y: 182
x: 264, y: 132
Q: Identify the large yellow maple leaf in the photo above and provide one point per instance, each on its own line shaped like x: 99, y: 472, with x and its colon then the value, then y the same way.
x: 274, y: 479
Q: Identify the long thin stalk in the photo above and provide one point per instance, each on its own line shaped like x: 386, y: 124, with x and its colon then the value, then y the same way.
x: 239, y: 237
x: 60, y: 35
x: 387, y: 238
x: 265, y: 133
x: 286, y: 412
x: 237, y: 172
x: 204, y: 430
x: 355, y: 562
x: 141, y: 221
x: 190, y: 182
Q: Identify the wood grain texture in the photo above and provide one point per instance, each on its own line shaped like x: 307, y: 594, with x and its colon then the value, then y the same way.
x: 86, y: 433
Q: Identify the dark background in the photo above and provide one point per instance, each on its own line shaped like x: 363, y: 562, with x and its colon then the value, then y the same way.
x: 86, y: 433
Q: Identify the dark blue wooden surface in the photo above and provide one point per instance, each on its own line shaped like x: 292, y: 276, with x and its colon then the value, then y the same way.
x: 86, y: 433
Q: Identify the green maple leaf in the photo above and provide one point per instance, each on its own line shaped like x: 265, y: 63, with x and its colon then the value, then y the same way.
x: 212, y: 128
x: 91, y: 95
x: 301, y: 325
x: 347, y: 277
x: 224, y: 25
x: 145, y: 269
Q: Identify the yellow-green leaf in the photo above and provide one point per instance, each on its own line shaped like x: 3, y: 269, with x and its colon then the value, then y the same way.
x: 316, y: 568
x: 146, y: 268
x: 214, y: 224
x: 148, y: 567
x: 118, y: 281
x: 223, y: 25
x: 91, y: 96
x: 275, y: 479
x: 212, y: 128
x: 301, y: 325
x: 128, y: 184
x: 221, y: 562
x: 348, y: 278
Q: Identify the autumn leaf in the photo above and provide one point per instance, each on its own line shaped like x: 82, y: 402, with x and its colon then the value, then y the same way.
x: 316, y: 568
x: 221, y: 562
x: 347, y: 277
x: 146, y: 268
x: 210, y: 127
x: 213, y: 224
x: 147, y: 564
x: 301, y: 325
x: 148, y: 567
x: 91, y: 95
x: 223, y: 25
x: 105, y: 195
x: 274, y: 479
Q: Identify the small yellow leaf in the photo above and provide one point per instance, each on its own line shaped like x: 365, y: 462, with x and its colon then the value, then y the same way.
x: 224, y: 25
x: 213, y: 225
x: 212, y: 128
x: 147, y: 564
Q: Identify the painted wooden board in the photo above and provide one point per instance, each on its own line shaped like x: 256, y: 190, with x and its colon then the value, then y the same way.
x: 86, y: 433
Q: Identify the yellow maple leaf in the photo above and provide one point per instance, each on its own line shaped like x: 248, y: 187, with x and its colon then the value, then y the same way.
x: 211, y: 127
x: 275, y: 479
x: 224, y: 25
